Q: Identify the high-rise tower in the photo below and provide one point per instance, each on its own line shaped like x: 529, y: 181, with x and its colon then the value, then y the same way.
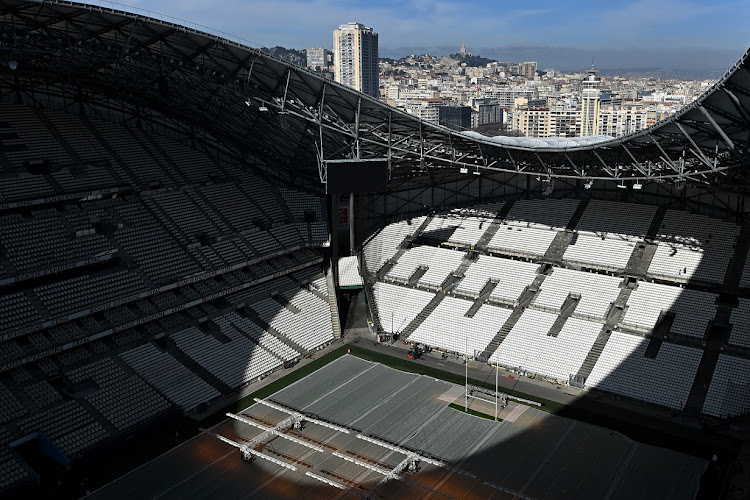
x: 355, y: 56
x: 590, y: 103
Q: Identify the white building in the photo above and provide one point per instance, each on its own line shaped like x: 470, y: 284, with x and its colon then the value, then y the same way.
x: 318, y: 58
x: 355, y: 56
x: 590, y: 103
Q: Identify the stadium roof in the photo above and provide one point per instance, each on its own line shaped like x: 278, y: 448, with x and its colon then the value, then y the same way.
x: 224, y: 96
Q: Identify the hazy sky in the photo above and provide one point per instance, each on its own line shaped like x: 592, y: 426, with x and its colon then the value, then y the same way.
x: 623, y: 33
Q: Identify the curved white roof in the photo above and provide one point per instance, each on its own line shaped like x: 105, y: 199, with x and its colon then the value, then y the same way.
x: 542, y: 142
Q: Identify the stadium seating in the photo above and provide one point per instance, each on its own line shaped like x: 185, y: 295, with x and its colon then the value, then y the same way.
x: 11, y: 469
x: 463, y: 226
x: 512, y: 278
x: 168, y: 376
x: 542, y: 214
x: 122, y: 399
x: 729, y: 392
x: 629, y: 221
x: 740, y: 320
x: 309, y: 328
x: 439, y: 262
x: 693, y: 247
x: 603, y: 252
x: 523, y: 241
x: 448, y: 328
x: 578, y: 303
x: 384, y: 244
x: 146, y: 238
x: 399, y: 305
x: 692, y: 309
x: 596, y: 292
x: 665, y: 380
x: 529, y: 347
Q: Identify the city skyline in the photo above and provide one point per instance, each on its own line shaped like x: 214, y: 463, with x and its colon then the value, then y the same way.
x: 673, y: 34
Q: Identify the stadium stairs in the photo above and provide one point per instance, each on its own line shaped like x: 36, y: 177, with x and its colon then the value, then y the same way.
x: 483, y: 297
x: 717, y: 335
x: 659, y: 334
x: 556, y: 250
x: 253, y: 316
x: 119, y: 171
x: 437, y: 299
x: 718, y: 331
x: 333, y: 305
x: 653, y: 228
x: 566, y: 311
x: 593, y: 355
x: 57, y: 136
x: 559, y: 245
x: 402, y: 247
x: 576, y: 217
x: 526, y: 298
x: 615, y: 313
x: 373, y: 305
x: 493, y: 226
x: 504, y: 331
x: 155, y: 149
x: 738, y: 261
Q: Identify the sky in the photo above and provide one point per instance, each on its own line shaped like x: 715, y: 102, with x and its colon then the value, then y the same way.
x: 665, y: 34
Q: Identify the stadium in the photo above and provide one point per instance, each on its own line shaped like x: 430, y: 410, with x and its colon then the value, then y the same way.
x: 216, y: 266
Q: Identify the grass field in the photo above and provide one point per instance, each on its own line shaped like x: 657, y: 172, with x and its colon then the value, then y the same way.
x: 159, y: 439
x: 473, y: 412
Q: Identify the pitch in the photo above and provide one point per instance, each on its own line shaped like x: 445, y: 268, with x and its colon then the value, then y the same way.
x: 530, y: 454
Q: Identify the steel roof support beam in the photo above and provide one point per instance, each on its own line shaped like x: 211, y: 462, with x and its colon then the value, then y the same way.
x: 665, y: 156
x: 723, y: 135
x: 741, y: 109
x: 697, y: 151
x: 606, y: 167
x: 635, y: 162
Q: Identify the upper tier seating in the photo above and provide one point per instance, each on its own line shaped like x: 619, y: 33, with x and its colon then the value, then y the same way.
x: 542, y: 214
x: 740, y: 320
x: 122, y: 399
x: 160, y: 369
x: 399, y: 305
x: 692, y: 309
x: 440, y: 262
x: 449, y: 329
x: 610, y: 252
x: 596, y: 292
x: 665, y: 380
x: 384, y: 244
x: 616, y: 219
x: 693, y: 247
x: 529, y: 346
x: 729, y: 392
x: 463, y: 226
x: 512, y: 277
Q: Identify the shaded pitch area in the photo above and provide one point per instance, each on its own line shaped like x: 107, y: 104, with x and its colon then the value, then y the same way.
x: 530, y: 454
